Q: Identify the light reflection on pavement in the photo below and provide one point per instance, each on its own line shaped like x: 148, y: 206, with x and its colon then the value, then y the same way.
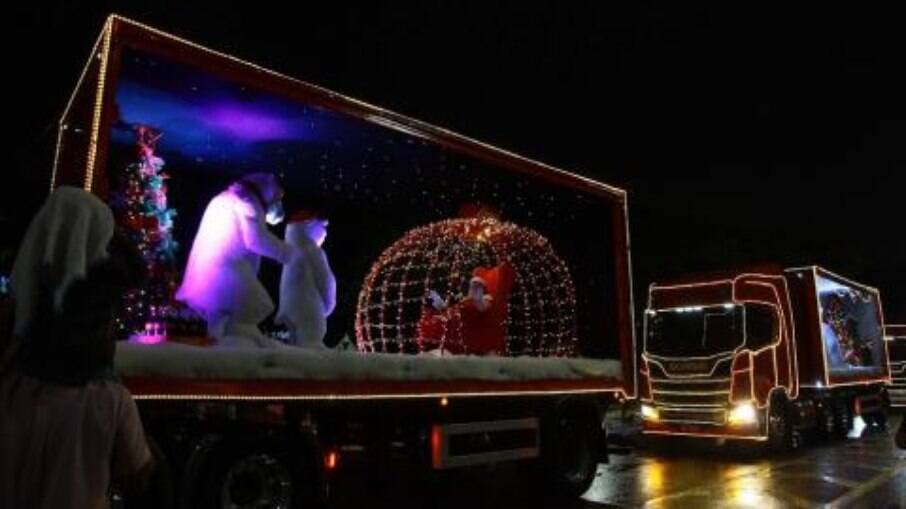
x: 869, y: 472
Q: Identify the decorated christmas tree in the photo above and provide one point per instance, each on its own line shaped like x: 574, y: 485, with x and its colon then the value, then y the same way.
x: 139, y: 200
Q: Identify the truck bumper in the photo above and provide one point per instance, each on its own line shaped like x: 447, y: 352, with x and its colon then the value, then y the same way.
x: 757, y: 432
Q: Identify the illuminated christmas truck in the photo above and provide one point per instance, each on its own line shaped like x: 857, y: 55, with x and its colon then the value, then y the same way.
x: 896, y: 352
x: 477, y: 305
x: 763, y: 355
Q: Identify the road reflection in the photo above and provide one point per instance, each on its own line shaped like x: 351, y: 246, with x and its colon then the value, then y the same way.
x: 684, y: 474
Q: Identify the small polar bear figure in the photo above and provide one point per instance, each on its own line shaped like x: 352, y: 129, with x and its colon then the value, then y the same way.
x: 308, y: 288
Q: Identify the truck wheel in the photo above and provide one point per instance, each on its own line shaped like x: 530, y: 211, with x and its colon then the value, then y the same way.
x: 570, y: 451
x: 782, y: 436
x: 258, y: 480
x: 263, y: 474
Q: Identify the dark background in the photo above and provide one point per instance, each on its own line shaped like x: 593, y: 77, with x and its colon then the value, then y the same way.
x: 744, y: 132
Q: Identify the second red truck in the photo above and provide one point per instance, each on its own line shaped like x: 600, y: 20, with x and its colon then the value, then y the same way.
x: 763, y: 355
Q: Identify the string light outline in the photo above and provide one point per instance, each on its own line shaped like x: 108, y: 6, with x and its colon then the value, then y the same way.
x: 631, y: 296
x: 62, y: 123
x: 735, y: 301
x: 780, y: 313
x: 735, y: 353
x: 739, y: 350
x: 98, y: 105
x: 342, y: 397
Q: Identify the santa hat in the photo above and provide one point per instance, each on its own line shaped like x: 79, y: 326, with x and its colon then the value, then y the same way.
x: 301, y: 216
x: 494, y: 279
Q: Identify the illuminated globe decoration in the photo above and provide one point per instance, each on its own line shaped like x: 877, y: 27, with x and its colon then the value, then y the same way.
x: 540, y: 317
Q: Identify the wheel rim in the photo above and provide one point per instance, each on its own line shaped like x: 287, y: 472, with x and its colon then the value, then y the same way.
x: 257, y: 482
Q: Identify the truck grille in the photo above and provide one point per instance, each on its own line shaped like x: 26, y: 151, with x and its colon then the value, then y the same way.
x: 692, y: 400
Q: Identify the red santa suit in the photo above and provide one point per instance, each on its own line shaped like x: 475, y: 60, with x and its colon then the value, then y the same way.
x: 484, y: 331
x: 469, y: 327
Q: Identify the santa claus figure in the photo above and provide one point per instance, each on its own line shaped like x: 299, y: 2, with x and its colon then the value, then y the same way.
x: 476, y: 324
x: 221, y: 278
x: 484, y: 313
x: 308, y: 288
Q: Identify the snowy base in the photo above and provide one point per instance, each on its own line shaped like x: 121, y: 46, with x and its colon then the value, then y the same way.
x: 242, y: 363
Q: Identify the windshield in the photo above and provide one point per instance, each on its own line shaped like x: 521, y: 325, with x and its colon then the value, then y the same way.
x: 698, y: 331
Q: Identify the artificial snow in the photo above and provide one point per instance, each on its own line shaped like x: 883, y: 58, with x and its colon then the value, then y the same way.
x: 184, y: 361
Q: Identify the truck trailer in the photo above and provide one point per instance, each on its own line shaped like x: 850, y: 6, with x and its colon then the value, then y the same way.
x: 763, y: 355
x: 896, y: 354
x: 158, y: 125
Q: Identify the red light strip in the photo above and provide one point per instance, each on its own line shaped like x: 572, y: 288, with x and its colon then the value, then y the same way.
x: 62, y: 124
x: 98, y: 105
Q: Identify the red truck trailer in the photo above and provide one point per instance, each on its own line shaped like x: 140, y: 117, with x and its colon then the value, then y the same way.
x: 158, y: 125
x: 763, y: 355
x: 896, y: 355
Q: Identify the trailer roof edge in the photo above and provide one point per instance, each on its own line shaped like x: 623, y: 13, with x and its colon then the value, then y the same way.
x: 406, y: 121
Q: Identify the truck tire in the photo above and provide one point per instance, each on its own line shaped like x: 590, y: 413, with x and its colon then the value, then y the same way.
x: 266, y: 473
x: 782, y: 435
x: 570, y: 449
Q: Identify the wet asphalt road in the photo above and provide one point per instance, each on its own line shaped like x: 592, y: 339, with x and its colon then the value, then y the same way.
x: 868, y: 472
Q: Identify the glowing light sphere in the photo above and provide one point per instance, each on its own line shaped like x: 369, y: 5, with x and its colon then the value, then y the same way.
x: 540, y: 312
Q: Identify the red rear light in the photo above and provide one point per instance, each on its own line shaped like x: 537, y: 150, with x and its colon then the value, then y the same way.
x: 437, y: 447
x: 331, y: 460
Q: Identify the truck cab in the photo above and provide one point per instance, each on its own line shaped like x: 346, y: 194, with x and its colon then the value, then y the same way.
x: 763, y: 355
x: 713, y: 353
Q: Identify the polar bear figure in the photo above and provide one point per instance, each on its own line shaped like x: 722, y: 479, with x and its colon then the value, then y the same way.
x: 308, y: 288
x: 221, y: 278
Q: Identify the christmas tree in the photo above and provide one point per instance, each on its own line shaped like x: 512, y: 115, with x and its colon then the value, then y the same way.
x: 139, y: 200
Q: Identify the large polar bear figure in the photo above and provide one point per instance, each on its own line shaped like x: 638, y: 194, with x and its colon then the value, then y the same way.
x: 308, y: 288
x: 221, y: 278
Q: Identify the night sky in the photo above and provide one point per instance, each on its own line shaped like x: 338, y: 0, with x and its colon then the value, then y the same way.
x: 744, y: 133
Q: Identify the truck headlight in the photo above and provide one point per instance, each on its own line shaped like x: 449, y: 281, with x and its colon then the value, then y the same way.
x: 742, y: 414
x: 649, y: 413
